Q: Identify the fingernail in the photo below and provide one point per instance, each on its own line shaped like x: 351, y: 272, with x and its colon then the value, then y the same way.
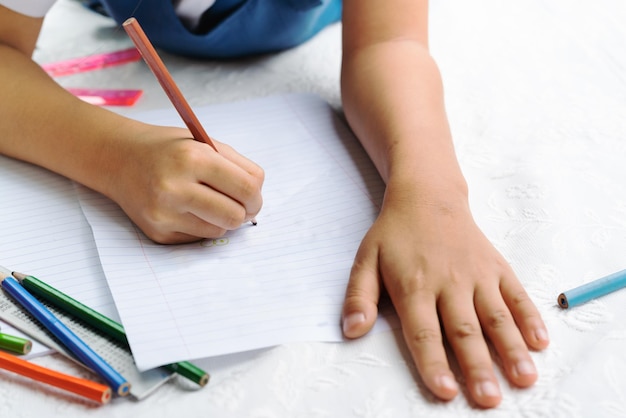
x: 541, y: 334
x: 447, y: 382
x: 525, y: 367
x: 352, y: 320
x: 487, y: 389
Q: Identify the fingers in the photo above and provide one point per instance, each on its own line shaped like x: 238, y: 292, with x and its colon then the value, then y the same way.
x: 178, y: 237
x: 196, y: 193
x: 223, y: 193
x: 525, y: 313
x: 248, y: 165
x: 236, y: 177
x: 500, y: 311
x: 467, y: 294
x: 470, y: 315
x: 464, y: 333
x: 360, y: 307
x: 214, y: 208
x: 499, y: 326
x: 180, y: 190
x: 422, y: 333
x: 471, y: 312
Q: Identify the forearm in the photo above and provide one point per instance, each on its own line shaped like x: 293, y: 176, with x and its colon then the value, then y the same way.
x: 43, y: 124
x: 393, y: 99
x: 439, y: 270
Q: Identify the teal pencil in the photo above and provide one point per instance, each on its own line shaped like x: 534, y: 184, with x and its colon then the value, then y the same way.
x: 592, y: 290
x: 100, y: 322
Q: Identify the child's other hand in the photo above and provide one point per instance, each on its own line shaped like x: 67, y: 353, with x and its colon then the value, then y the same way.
x: 179, y: 190
x: 445, y: 280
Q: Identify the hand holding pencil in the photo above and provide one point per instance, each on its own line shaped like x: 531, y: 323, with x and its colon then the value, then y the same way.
x: 176, y: 190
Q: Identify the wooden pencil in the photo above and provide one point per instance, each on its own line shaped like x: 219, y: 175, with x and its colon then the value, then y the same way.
x: 15, y: 344
x: 66, y: 336
x: 104, y: 324
x: 150, y: 56
x: 83, y: 387
x: 156, y: 65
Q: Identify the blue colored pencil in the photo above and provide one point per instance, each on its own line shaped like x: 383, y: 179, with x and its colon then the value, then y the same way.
x: 592, y: 290
x: 70, y: 340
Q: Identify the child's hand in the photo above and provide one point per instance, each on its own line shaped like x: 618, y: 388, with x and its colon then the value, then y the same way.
x: 444, y: 276
x: 178, y: 190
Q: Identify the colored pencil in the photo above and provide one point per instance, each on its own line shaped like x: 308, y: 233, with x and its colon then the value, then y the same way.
x: 70, y: 340
x: 83, y: 387
x: 56, y: 298
x: 189, y: 371
x: 156, y: 65
x: 592, y: 290
x: 15, y: 344
x: 150, y: 56
x: 104, y: 324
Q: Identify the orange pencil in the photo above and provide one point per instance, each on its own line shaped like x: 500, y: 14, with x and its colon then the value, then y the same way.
x: 86, y: 388
x: 150, y: 56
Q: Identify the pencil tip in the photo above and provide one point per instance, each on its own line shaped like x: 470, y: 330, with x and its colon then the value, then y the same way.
x: 18, y: 276
x: 254, y: 222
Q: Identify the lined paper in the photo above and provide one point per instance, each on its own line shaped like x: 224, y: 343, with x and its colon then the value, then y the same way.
x: 282, y: 280
x: 45, y: 234
x: 117, y: 355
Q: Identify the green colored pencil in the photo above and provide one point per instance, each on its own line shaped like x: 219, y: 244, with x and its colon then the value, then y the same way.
x: 100, y: 322
x: 15, y: 344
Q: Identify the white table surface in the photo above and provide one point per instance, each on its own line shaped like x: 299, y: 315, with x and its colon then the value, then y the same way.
x: 536, y: 94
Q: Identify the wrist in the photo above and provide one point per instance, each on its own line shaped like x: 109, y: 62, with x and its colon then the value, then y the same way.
x: 428, y: 192
x: 93, y: 151
x: 430, y: 177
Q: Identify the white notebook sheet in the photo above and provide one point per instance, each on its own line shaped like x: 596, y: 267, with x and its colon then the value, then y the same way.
x: 280, y: 281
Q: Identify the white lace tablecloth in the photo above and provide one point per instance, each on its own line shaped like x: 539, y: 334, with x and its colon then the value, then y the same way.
x: 536, y: 93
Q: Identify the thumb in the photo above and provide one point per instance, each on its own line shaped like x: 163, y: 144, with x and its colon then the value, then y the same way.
x: 360, y: 307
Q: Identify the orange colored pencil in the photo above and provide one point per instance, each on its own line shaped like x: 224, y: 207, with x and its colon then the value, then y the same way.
x: 150, y: 56
x: 83, y: 387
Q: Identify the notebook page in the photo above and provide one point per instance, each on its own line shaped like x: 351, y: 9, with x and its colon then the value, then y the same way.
x: 117, y: 355
x: 282, y: 280
x: 44, y: 233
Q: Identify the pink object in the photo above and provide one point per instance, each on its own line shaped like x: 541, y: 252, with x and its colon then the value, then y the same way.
x: 91, y: 62
x: 107, y: 97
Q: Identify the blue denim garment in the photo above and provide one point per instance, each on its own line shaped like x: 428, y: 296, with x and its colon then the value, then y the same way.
x: 230, y: 28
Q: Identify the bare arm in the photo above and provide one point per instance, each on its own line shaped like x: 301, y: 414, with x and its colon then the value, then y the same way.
x: 40, y: 118
x: 174, y: 188
x: 425, y: 248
